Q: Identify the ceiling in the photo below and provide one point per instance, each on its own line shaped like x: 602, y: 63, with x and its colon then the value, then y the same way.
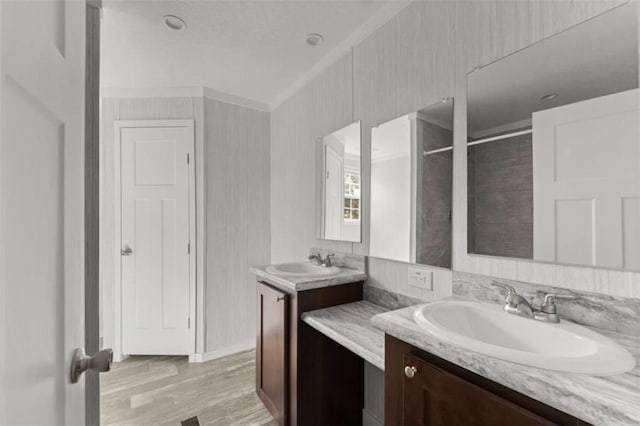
x: 249, y: 49
x: 593, y: 59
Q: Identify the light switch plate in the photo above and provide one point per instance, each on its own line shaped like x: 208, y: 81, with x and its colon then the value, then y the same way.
x: 420, y: 278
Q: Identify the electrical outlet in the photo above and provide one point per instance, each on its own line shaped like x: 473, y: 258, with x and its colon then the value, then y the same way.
x: 420, y: 278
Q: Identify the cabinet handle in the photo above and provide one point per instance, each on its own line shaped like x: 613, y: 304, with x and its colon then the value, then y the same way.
x: 410, y: 371
x: 279, y: 298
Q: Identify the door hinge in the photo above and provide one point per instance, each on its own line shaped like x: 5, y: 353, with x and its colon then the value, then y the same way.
x: 188, y: 322
x: 187, y: 158
x: 327, y: 174
x: 188, y: 248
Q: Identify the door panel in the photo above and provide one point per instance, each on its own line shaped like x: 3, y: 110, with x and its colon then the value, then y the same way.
x: 41, y: 210
x: 156, y: 226
x: 272, y: 350
x: 334, y: 191
x: 631, y: 227
x: 583, y: 210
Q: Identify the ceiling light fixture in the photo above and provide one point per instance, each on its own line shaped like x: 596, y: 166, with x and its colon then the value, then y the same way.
x: 314, y: 39
x: 549, y: 96
x: 173, y: 22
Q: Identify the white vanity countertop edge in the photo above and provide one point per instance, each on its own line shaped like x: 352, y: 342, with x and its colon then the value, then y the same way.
x: 301, y: 283
x: 612, y: 400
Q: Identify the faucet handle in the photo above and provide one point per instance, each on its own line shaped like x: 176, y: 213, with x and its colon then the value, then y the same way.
x: 328, y: 259
x: 549, y: 305
x: 510, y: 290
x: 538, y: 299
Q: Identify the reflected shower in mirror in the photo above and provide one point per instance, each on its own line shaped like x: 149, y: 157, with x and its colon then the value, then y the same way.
x: 554, y: 149
x: 411, y: 187
x: 338, y: 185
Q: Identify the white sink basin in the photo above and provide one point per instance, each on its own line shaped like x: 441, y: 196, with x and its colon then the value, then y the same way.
x: 487, y: 329
x: 302, y: 269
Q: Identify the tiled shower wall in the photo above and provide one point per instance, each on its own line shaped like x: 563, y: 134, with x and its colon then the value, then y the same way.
x: 500, y: 184
x: 435, y: 191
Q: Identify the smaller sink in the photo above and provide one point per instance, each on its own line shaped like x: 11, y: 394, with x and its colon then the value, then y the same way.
x: 302, y: 269
x: 487, y: 329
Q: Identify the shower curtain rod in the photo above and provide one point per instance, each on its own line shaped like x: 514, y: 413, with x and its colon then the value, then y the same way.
x: 435, y: 151
x: 499, y: 137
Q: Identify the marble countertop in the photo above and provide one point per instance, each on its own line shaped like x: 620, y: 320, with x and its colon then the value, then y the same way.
x: 613, y: 400
x: 350, y: 325
x: 293, y: 283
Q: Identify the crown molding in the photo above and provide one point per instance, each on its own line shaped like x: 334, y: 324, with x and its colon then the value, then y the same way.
x: 183, y: 92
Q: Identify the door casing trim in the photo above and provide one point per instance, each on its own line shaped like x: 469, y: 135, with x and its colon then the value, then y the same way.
x: 195, y: 209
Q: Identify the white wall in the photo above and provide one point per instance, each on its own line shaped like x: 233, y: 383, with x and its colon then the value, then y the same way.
x: 414, y: 60
x: 391, y: 200
x: 237, y: 220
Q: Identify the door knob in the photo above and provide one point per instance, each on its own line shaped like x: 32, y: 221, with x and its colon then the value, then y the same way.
x: 126, y: 251
x: 80, y: 362
x: 410, y: 371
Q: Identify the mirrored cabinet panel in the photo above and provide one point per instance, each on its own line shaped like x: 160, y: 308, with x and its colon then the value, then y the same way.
x: 411, y: 187
x: 554, y: 148
x: 339, y: 185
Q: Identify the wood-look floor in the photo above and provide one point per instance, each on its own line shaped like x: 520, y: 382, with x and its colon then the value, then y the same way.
x: 163, y: 390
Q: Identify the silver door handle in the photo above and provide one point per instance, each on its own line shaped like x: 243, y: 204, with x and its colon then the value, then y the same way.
x: 126, y: 251
x: 100, y: 361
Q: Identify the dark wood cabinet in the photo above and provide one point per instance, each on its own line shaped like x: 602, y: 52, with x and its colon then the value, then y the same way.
x: 272, y: 350
x: 434, y: 392
x: 303, y: 377
x: 432, y: 396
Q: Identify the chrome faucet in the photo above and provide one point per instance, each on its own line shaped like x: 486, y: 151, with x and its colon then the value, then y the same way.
x: 542, y: 307
x: 545, y: 308
x: 318, y: 260
x: 514, y: 303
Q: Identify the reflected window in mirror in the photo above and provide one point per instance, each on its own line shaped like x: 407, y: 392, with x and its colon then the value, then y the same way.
x: 554, y: 149
x: 339, y: 185
x: 411, y: 187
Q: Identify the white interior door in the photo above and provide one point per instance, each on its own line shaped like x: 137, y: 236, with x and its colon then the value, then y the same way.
x: 334, y: 192
x: 586, y: 169
x: 41, y: 210
x: 157, y: 217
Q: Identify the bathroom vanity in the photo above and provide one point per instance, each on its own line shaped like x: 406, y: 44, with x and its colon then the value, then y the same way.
x: 299, y: 372
x: 423, y: 389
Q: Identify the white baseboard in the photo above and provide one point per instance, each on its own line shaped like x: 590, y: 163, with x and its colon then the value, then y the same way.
x: 219, y: 353
x: 118, y: 357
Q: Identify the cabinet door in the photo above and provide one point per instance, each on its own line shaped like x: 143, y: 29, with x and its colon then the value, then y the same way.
x: 271, y: 350
x: 435, y: 397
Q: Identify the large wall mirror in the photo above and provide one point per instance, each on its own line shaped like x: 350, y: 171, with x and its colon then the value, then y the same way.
x: 411, y: 187
x: 554, y: 148
x: 339, y: 185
